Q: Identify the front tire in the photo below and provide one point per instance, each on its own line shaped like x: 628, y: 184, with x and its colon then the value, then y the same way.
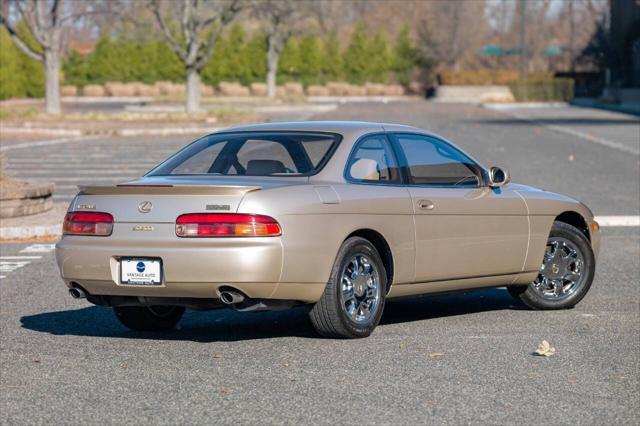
x: 353, y: 300
x: 566, y: 274
x: 149, y: 318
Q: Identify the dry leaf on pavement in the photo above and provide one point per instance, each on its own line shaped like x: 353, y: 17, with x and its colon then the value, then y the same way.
x: 545, y: 349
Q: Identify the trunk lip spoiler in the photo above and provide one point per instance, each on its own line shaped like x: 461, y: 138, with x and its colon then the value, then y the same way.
x: 167, y: 189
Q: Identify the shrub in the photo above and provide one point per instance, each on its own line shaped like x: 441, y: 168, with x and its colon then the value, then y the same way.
x: 558, y: 89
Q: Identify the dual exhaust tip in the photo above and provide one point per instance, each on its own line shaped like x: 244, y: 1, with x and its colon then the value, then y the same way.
x: 77, y: 293
x: 231, y: 297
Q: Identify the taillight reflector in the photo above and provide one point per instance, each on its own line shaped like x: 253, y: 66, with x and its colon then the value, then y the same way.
x: 226, y: 225
x: 88, y: 223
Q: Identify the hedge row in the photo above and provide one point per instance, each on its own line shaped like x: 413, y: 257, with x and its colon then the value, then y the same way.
x: 167, y: 88
x: 486, y: 77
x: 558, y: 89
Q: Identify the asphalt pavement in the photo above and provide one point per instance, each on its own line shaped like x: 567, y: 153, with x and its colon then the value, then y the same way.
x: 447, y: 359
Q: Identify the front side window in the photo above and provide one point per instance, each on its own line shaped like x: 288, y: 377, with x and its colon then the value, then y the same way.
x: 252, y: 154
x: 373, y: 161
x: 433, y: 162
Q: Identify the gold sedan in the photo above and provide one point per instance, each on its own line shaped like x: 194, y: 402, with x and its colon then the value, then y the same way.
x: 340, y: 216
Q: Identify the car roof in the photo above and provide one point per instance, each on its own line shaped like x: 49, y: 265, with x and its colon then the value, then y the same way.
x: 326, y: 126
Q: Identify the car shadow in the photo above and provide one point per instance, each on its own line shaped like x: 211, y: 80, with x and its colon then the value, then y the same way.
x: 226, y: 325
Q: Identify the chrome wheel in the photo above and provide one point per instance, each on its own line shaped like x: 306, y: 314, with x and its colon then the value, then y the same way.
x: 562, y: 270
x: 360, y: 289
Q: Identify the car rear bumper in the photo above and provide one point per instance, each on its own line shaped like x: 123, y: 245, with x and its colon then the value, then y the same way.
x: 194, y: 268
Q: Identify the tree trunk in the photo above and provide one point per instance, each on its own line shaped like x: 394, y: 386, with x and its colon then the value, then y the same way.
x: 273, y: 57
x: 193, y: 90
x: 52, y: 81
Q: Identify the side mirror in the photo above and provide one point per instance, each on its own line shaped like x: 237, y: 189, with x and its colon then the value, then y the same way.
x: 498, y: 177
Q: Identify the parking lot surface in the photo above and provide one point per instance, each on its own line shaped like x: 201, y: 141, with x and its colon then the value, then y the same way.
x: 446, y: 359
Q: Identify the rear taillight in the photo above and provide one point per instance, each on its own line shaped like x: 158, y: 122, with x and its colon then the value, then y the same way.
x: 226, y: 225
x: 88, y: 223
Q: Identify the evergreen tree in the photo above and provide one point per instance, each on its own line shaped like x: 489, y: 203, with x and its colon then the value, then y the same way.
x: 75, y: 70
x: 357, y: 60
x: 11, y: 77
x: 405, y: 56
x: 255, y: 52
x: 289, y: 67
x: 332, y: 65
x: 310, y: 56
x: 380, y: 59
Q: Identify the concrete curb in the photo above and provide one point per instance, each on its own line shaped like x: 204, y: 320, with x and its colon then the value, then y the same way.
x: 22, y: 232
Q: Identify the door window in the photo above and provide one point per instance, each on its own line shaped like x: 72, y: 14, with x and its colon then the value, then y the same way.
x: 372, y: 161
x: 433, y: 162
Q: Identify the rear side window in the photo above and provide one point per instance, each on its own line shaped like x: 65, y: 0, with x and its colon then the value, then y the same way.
x: 434, y: 162
x: 373, y: 161
x: 252, y: 154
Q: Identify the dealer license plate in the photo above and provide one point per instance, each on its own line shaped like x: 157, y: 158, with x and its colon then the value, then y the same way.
x: 135, y: 271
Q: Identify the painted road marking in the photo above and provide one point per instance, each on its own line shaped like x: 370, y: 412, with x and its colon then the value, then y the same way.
x: 12, y: 266
x: 618, y: 220
x: 9, y: 264
x: 38, y: 248
x: 566, y: 130
x: 19, y: 257
x: 46, y: 143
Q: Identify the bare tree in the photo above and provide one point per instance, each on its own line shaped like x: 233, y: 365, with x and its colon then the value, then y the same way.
x: 45, y: 20
x: 278, y: 16
x: 193, y: 40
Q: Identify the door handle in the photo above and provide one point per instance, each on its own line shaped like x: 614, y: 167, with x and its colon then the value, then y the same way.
x: 426, y: 204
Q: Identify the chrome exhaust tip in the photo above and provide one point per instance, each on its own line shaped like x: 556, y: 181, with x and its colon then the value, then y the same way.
x: 230, y: 297
x: 77, y: 293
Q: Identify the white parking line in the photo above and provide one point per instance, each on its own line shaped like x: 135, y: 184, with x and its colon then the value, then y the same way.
x: 46, y: 143
x: 38, y: 248
x: 569, y: 131
x: 11, y: 266
x: 19, y: 257
x: 618, y: 220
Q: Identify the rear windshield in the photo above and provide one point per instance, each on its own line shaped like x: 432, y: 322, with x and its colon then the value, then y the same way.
x: 252, y: 154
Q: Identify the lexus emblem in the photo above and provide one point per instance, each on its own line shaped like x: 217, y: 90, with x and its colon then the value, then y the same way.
x: 145, y: 207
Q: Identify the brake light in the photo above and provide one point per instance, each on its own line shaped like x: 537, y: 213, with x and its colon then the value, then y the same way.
x: 226, y: 225
x: 88, y: 223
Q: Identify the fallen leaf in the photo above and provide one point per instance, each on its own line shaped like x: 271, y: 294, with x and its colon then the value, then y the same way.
x: 225, y: 391
x: 285, y: 364
x: 216, y: 356
x: 572, y: 381
x: 545, y: 349
x: 436, y: 354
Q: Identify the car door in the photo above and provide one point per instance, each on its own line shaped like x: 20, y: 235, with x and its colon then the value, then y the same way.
x: 463, y: 228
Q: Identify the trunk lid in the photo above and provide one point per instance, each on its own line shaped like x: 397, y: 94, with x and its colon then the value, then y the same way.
x: 163, y: 199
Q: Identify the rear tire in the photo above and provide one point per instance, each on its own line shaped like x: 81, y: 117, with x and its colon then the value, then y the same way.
x: 149, y: 318
x: 353, y: 300
x: 551, y: 290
